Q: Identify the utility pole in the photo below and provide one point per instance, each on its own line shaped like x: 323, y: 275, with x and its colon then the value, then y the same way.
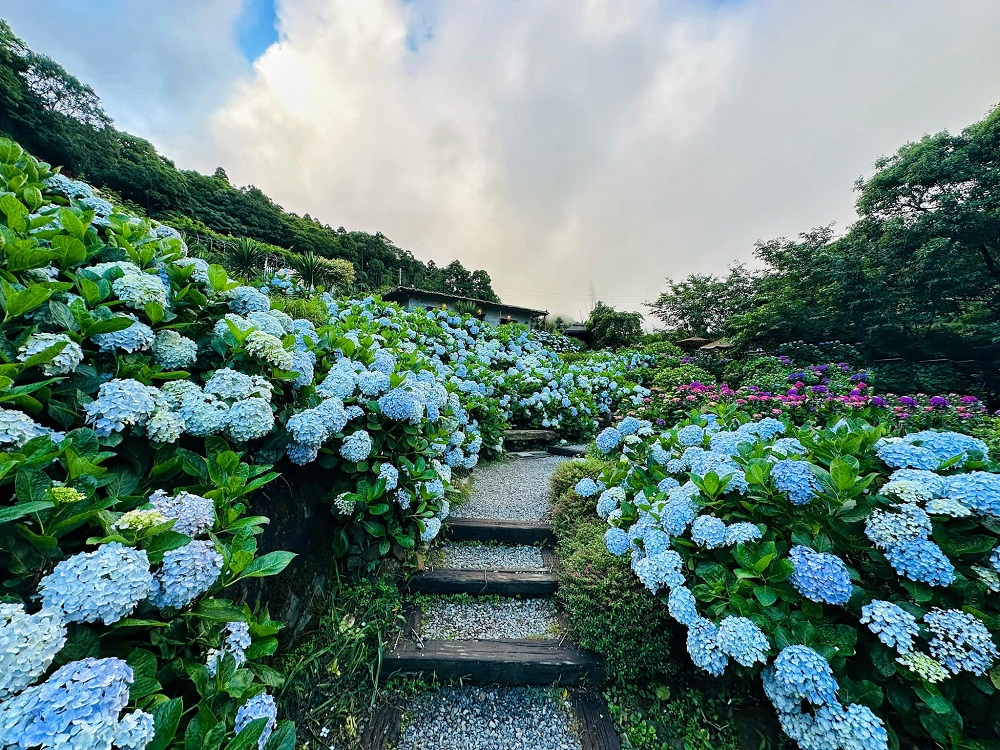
x: 593, y: 297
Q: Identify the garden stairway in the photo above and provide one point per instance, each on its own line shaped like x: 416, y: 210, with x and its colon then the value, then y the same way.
x: 499, y: 557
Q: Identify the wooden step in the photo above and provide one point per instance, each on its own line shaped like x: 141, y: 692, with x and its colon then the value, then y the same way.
x: 510, y: 662
x: 593, y: 720
x: 483, y: 582
x: 501, y: 531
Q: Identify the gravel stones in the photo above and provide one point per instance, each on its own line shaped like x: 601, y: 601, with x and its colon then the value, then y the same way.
x: 489, y: 620
x: 474, y: 556
x: 513, y: 490
x: 490, y: 718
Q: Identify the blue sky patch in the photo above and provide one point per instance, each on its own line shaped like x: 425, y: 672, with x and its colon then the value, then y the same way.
x: 256, y: 29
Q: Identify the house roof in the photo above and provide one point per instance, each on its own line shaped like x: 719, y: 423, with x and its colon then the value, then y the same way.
x: 720, y: 344
x: 401, y: 293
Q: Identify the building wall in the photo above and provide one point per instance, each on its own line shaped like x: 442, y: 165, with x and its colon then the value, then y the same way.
x: 491, y: 313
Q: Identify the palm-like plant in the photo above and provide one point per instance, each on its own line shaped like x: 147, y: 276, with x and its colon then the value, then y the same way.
x: 245, y: 258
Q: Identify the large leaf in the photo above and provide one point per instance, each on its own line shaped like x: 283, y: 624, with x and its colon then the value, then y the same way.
x: 21, y: 510
x: 166, y: 716
x: 268, y: 565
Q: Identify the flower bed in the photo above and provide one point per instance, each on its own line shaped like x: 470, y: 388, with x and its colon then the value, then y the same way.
x: 817, y: 404
x: 855, y: 573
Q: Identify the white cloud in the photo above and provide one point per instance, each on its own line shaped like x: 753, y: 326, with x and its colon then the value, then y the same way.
x: 160, y: 67
x: 556, y: 143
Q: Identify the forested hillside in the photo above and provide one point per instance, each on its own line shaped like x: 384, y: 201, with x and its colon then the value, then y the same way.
x: 60, y: 119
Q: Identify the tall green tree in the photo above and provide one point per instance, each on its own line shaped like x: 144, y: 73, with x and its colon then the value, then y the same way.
x: 613, y: 329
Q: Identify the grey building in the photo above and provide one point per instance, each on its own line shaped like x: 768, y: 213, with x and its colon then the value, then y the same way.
x: 494, y: 313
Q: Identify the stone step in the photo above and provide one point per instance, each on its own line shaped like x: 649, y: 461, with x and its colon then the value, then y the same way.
x: 572, y: 451
x: 483, y: 582
x: 529, y: 437
x: 502, y: 662
x: 501, y: 531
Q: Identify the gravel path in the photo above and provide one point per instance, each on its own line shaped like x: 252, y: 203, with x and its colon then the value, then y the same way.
x: 485, y: 620
x: 474, y: 556
x: 515, y: 490
x: 473, y: 718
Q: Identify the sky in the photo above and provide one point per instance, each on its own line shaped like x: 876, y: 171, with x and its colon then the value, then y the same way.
x: 562, y: 145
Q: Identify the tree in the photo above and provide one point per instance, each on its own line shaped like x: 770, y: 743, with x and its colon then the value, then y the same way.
x: 316, y: 271
x: 613, y: 329
x: 702, y: 305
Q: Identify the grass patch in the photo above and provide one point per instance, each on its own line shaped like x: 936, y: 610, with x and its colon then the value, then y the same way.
x: 333, y: 682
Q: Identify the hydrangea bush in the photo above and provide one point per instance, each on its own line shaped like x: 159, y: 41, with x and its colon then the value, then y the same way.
x: 855, y: 573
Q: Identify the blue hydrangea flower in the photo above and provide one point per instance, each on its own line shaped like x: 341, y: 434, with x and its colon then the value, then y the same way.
x: 187, y: 573
x: 960, y: 641
x: 742, y: 533
x: 249, y: 419
x: 708, y: 531
x: 373, y: 383
x: 104, y: 585
x: 192, y: 514
x: 933, y: 483
x: 357, y: 446
x: 995, y: 559
x: 134, y: 731
x: 230, y: 385
x: 979, y: 490
x: 659, y: 570
x: 608, y: 440
x: 667, y: 483
x: 16, y: 429
x: 676, y: 514
x: 246, y: 299
x: 682, y: 606
x: 267, y: 348
x: 587, y: 487
x: 120, y: 403
x: 857, y: 728
x: 921, y: 560
x: 898, y: 454
x: 798, y: 674
x: 304, y: 363
x: 65, y: 362
x: 261, y: 706
x: 390, y: 474
x: 340, y: 382
x: 766, y: 429
x: 796, y: 479
x: 690, y: 435
x: 164, y: 426
x: 908, y: 521
x: 893, y: 625
x: 788, y: 446
x: 267, y: 323
x: 609, y: 501
x: 300, y: 455
x: 237, y: 640
x: 741, y: 640
x: 173, y: 351
x: 704, y: 649
x: 28, y: 644
x: 659, y: 454
x: 76, y: 708
x: 617, y: 541
x: 403, y: 497
x: 948, y: 445
x: 137, y: 290
x: 820, y: 577
x: 629, y: 426
x: 432, y: 526
x: 402, y: 405
x: 728, y: 442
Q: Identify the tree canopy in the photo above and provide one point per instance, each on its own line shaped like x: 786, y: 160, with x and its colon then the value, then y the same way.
x: 60, y: 119
x: 917, y: 276
x: 613, y: 329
